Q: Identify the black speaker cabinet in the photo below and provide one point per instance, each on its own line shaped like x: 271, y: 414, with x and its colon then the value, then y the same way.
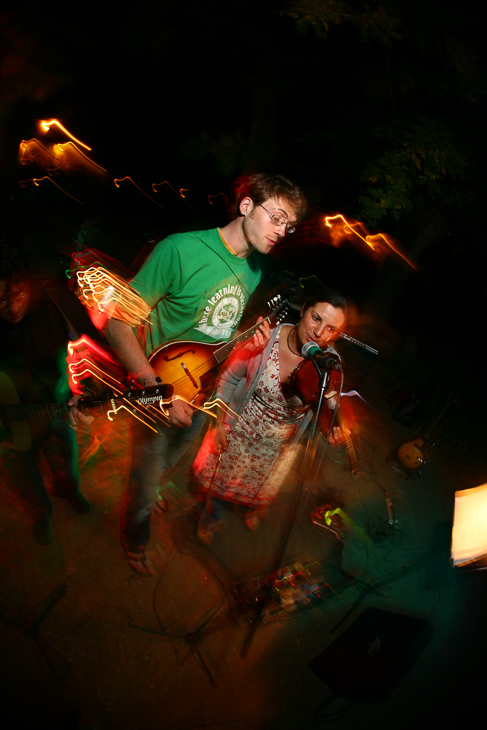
x: 370, y: 658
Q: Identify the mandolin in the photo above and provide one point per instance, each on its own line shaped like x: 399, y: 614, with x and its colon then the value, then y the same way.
x: 191, y: 367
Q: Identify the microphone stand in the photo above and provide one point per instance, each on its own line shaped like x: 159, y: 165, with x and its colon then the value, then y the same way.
x: 324, y: 377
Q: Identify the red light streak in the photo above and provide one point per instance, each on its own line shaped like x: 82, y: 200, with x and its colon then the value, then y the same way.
x: 127, y: 177
x: 343, y: 228
x: 46, y: 126
x: 37, y: 180
x: 181, y: 192
x: 82, y: 359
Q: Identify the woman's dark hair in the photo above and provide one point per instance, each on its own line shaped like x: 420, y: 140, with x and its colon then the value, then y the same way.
x: 325, y: 294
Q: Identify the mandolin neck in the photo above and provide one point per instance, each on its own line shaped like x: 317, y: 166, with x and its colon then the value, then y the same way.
x: 223, y: 352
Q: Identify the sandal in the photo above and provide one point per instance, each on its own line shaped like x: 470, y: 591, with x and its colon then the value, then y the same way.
x: 139, y: 562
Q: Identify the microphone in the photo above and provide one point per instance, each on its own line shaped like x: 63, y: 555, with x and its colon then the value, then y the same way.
x: 324, y: 358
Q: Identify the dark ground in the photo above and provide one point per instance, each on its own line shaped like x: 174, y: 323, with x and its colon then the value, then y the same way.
x: 85, y: 664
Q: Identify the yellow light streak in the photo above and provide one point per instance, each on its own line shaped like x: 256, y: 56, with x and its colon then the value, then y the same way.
x: 46, y: 126
x: 85, y: 368
x: 127, y: 177
x: 115, y: 411
x: 107, y: 291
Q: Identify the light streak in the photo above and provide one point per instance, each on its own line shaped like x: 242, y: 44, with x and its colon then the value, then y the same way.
x: 216, y: 196
x: 218, y: 403
x: 82, y: 359
x: 46, y: 126
x: 130, y: 409
x: 127, y: 177
x: 32, y: 150
x: 180, y: 194
x: 37, y: 180
x: 85, y: 368
x: 62, y: 145
x: 109, y: 291
x: 165, y: 182
x: 346, y: 228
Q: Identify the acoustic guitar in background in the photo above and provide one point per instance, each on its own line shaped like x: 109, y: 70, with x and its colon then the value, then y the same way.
x: 411, y: 454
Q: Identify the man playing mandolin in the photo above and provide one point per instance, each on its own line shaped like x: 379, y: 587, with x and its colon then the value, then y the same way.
x: 196, y: 286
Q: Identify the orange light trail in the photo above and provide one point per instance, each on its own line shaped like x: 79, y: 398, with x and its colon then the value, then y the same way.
x: 127, y: 177
x: 46, y: 126
x: 340, y: 230
x: 186, y: 190
x: 37, y: 152
x: 130, y: 410
x: 37, y: 180
x: 110, y: 291
x: 62, y: 145
x: 216, y: 196
x: 165, y: 182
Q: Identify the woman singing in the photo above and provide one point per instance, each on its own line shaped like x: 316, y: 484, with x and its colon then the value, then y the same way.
x: 258, y: 435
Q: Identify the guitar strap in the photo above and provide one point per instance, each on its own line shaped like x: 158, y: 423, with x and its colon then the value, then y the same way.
x: 72, y: 332
x: 226, y: 264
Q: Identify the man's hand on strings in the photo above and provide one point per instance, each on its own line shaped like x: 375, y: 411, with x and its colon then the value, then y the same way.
x: 261, y: 337
x: 76, y: 417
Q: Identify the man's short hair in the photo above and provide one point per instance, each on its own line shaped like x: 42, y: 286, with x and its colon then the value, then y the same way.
x: 261, y: 187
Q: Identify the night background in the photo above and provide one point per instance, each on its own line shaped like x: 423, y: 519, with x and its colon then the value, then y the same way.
x: 378, y: 111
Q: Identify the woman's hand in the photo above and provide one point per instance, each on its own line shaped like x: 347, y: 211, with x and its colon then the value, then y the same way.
x: 336, y: 436
x: 220, y: 441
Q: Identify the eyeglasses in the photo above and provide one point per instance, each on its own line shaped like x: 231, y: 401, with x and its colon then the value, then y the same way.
x: 13, y: 294
x: 278, y: 220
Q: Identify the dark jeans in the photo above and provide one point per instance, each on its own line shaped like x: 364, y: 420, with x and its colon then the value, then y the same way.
x: 152, y: 454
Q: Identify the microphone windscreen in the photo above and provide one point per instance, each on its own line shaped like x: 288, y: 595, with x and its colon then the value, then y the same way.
x: 309, y: 349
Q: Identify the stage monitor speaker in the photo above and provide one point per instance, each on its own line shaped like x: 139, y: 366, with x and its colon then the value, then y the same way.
x: 370, y: 658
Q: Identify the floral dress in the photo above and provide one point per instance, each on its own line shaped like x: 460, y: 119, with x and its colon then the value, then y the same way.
x: 259, y: 454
